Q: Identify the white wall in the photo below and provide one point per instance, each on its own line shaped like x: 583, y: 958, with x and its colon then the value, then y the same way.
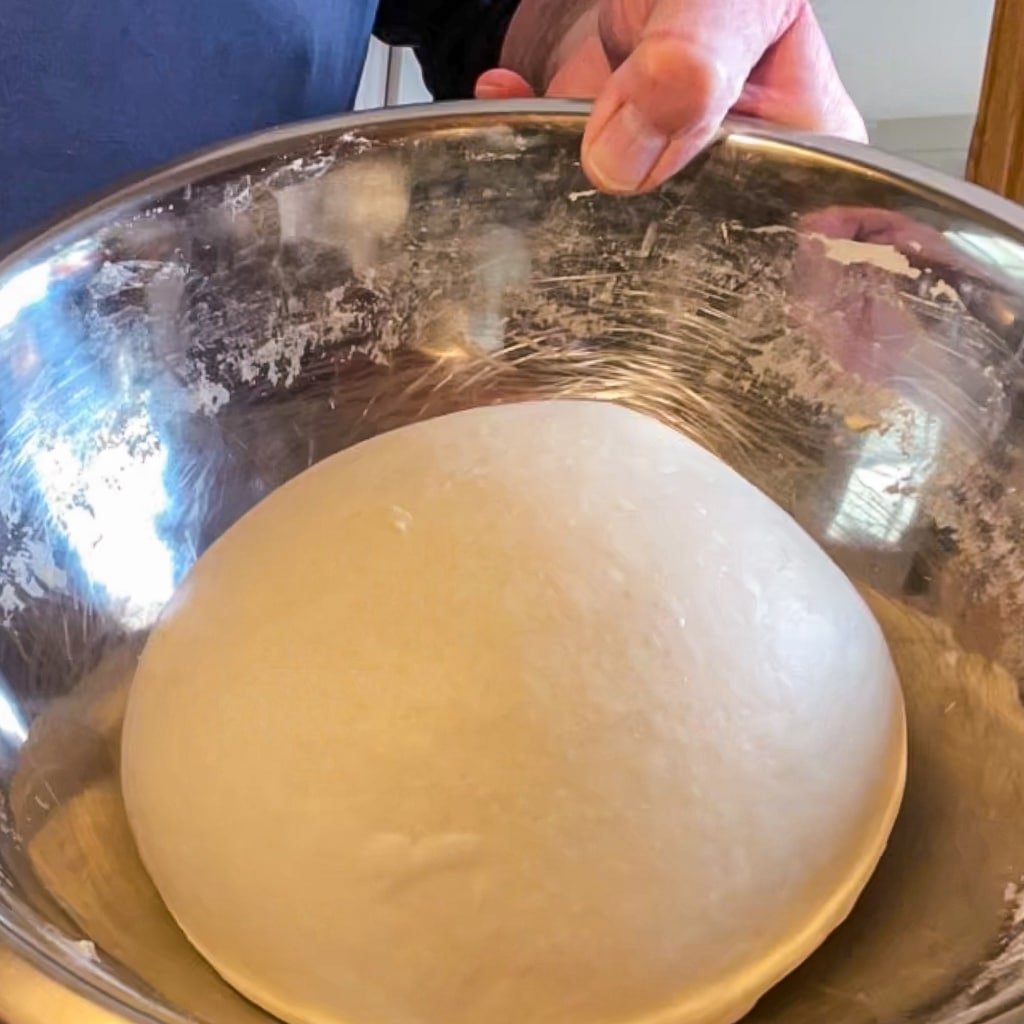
x: 939, y: 142
x: 374, y: 83
x: 391, y: 77
x: 909, y: 58
x: 410, y: 86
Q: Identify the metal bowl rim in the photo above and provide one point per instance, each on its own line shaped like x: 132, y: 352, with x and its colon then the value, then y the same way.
x: 222, y: 157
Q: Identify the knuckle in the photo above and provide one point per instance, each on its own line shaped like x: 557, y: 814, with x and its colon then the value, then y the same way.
x: 691, y: 83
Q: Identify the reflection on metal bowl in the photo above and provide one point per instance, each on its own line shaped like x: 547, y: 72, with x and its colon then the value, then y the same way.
x: 844, y: 330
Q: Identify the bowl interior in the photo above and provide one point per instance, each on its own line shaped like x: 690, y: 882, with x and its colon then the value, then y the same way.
x: 845, y: 333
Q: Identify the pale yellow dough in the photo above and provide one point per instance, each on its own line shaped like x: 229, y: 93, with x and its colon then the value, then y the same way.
x: 536, y: 714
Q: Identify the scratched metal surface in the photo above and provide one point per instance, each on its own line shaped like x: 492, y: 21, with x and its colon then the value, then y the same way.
x: 844, y: 330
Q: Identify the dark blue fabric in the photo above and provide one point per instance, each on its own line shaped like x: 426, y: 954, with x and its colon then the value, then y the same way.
x: 93, y: 91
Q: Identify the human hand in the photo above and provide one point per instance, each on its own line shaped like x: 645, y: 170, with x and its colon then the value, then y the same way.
x: 666, y: 73
x: 898, y: 271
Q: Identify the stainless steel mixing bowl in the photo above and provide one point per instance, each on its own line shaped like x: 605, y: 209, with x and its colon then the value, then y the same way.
x: 843, y: 328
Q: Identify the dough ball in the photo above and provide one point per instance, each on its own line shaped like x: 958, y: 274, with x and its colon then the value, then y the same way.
x: 537, y: 714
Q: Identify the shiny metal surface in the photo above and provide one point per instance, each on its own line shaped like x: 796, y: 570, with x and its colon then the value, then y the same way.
x: 844, y: 329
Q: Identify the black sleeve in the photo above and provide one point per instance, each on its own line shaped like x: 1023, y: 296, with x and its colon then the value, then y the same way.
x: 455, y: 40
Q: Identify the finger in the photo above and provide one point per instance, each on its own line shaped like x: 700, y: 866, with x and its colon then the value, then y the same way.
x: 683, y: 67
x: 583, y: 73
x: 502, y: 84
x: 920, y: 243
x: 857, y: 223
x: 797, y: 84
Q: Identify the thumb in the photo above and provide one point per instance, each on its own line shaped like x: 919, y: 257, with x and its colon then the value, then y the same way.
x: 682, y: 66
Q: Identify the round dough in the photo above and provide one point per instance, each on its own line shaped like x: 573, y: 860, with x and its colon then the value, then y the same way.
x: 537, y: 714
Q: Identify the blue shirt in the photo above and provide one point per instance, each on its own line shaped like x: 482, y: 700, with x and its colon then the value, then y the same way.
x: 92, y: 92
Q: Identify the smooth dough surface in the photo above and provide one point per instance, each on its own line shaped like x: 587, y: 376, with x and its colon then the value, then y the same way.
x: 536, y: 714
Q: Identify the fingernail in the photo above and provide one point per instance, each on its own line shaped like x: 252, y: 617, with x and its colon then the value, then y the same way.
x: 624, y: 154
